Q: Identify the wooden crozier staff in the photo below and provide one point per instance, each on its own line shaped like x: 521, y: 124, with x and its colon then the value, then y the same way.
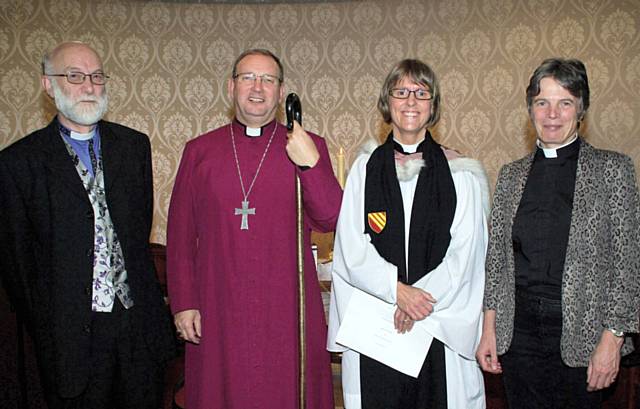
x: 293, y: 110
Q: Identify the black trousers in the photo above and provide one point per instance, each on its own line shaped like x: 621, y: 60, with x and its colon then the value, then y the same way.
x: 533, y: 372
x: 382, y: 387
x: 124, y: 375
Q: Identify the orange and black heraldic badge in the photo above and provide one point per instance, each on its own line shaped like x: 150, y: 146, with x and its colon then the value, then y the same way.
x: 377, y: 221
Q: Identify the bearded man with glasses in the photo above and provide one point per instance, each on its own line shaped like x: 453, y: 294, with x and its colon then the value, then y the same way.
x: 76, y: 205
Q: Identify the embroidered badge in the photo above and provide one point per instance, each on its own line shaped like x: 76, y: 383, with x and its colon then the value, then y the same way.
x: 377, y: 221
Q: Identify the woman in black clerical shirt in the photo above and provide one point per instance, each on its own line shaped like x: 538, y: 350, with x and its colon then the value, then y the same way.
x: 561, y: 291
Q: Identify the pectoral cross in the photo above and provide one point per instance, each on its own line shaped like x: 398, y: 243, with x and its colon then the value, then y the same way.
x: 245, y: 212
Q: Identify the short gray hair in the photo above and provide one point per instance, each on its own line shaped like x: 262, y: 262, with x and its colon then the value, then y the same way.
x: 47, y: 66
x: 571, y: 74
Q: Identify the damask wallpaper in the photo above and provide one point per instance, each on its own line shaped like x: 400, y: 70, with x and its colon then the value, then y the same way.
x: 169, y: 63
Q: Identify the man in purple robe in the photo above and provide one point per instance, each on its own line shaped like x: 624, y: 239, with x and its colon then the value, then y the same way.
x: 231, y: 251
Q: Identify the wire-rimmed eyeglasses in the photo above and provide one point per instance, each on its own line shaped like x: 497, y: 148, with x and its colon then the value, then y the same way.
x: 403, y: 93
x: 251, y: 77
x: 75, y: 77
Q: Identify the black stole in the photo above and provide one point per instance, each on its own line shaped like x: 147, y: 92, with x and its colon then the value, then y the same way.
x: 432, y: 214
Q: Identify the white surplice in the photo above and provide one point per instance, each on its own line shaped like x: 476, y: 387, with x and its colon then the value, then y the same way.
x: 457, y: 283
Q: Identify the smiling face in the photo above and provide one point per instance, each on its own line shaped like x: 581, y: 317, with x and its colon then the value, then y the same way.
x: 554, y: 112
x: 409, y: 116
x: 80, y: 106
x: 256, y: 102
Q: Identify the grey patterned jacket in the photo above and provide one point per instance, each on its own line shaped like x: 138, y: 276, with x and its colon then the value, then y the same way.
x: 600, y: 283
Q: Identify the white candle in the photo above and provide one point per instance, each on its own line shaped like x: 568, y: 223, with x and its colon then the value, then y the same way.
x: 341, y: 174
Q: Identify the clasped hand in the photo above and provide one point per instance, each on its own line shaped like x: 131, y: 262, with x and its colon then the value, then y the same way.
x: 414, y: 304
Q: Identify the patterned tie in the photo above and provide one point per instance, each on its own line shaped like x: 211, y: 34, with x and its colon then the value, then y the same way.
x: 92, y: 156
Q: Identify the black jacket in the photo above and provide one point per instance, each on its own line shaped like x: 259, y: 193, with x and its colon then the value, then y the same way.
x: 46, y: 246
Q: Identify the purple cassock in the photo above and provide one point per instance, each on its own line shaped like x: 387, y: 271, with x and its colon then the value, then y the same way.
x: 244, y: 282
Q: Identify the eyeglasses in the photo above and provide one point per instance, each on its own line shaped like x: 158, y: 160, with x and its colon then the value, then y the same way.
x: 246, y: 78
x: 74, y: 77
x: 403, y: 93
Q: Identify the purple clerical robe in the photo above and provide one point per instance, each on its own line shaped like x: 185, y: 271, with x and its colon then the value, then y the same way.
x: 244, y: 282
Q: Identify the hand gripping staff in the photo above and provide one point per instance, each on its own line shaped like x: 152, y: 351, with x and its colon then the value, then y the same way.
x: 294, y: 112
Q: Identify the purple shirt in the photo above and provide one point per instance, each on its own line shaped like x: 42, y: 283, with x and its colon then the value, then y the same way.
x: 81, y: 147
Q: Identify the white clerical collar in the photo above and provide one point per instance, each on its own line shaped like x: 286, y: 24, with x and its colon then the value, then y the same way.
x: 409, y: 148
x: 552, y: 152
x: 82, y: 136
x: 252, y: 132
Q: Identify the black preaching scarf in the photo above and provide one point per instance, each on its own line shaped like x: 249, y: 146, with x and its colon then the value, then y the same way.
x: 434, y: 206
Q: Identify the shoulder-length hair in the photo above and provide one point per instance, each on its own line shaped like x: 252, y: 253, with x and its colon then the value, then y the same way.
x: 418, y: 72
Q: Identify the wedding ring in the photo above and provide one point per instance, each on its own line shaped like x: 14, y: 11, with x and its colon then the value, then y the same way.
x: 406, y: 320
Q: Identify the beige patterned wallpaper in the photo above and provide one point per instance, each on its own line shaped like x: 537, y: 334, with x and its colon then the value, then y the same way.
x: 169, y: 63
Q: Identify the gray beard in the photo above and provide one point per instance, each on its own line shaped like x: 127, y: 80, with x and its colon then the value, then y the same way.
x: 73, y: 109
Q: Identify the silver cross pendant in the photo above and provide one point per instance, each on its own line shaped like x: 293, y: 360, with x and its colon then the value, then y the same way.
x: 245, y: 211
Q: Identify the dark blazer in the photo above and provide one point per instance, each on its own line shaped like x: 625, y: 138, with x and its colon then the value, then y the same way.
x: 46, y: 246
x: 600, y: 286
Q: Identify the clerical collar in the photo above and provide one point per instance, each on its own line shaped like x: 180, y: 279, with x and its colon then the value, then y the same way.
x: 76, y: 135
x: 406, y: 149
x: 553, y: 152
x: 252, y: 132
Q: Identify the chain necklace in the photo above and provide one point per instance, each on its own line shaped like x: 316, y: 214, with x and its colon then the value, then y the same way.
x: 245, y: 211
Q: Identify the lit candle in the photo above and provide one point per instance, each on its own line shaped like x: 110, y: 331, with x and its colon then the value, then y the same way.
x: 341, y: 174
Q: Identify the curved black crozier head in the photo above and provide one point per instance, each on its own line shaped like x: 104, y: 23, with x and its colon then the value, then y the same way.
x: 293, y: 109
